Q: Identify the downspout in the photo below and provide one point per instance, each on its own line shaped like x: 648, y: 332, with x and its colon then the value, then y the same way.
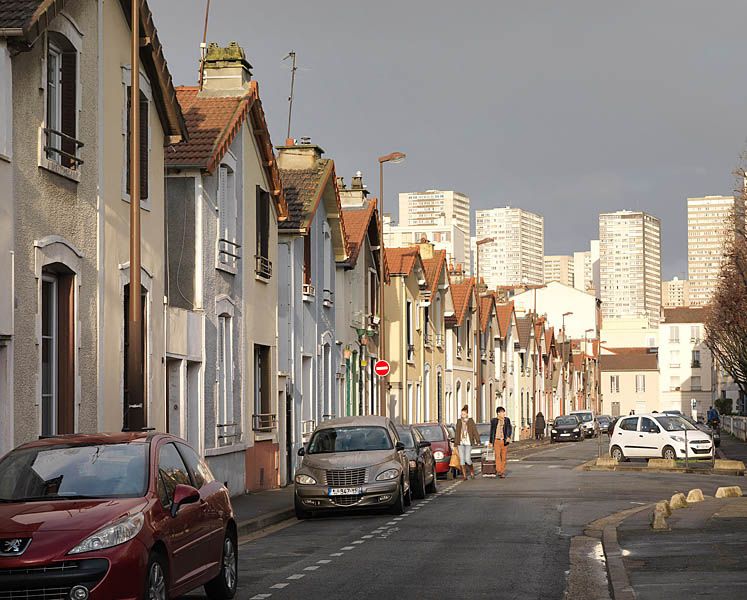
x: 100, y: 423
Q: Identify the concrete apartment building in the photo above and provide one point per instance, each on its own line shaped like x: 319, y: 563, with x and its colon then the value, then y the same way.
x: 436, y: 207
x: 449, y: 237
x: 630, y: 265
x: 559, y: 268
x: 586, y: 269
x: 515, y: 257
x: 711, y: 223
x: 675, y: 292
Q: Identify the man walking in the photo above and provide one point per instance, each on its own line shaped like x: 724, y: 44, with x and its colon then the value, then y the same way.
x: 500, y: 438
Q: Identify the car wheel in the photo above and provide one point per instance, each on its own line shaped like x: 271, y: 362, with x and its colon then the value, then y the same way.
x: 432, y: 487
x: 668, y: 453
x: 301, y: 512
x: 156, y: 582
x: 617, y: 453
x: 399, y: 504
x: 419, y: 490
x: 223, y: 587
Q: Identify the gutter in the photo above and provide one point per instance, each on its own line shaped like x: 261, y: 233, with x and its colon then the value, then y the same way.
x: 9, y: 32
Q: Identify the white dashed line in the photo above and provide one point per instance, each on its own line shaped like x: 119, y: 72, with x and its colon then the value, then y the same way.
x: 312, y: 568
x: 260, y: 596
x: 359, y: 542
x: 324, y: 561
x: 348, y: 548
x: 279, y: 586
x: 366, y: 537
x: 297, y: 576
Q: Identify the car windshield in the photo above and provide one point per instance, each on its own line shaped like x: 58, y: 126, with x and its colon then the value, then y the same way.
x: 484, y: 430
x: 566, y: 421
x: 603, y: 420
x: 406, y: 438
x: 585, y: 417
x: 672, y: 412
x: 63, y: 472
x: 675, y: 423
x: 349, y: 439
x: 431, y: 433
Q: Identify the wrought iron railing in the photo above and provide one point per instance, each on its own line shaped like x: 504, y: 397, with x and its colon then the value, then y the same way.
x: 263, y: 266
x: 54, y: 141
x: 264, y: 422
x: 228, y: 252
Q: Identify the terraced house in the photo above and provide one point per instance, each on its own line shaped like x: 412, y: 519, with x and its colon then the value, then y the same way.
x: 64, y: 143
x: 224, y: 202
x: 460, y: 344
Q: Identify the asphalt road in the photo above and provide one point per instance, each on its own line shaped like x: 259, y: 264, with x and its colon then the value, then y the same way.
x: 483, y: 538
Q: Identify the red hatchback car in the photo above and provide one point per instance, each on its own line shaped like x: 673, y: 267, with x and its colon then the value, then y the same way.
x: 113, y: 517
x: 438, y: 436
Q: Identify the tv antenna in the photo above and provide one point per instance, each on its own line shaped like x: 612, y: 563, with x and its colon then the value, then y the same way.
x: 203, y: 45
x: 294, y: 68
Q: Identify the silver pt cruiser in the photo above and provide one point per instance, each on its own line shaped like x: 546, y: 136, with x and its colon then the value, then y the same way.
x: 352, y: 462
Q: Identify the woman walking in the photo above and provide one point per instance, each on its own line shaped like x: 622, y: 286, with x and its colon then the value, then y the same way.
x: 466, y: 436
x: 539, y: 426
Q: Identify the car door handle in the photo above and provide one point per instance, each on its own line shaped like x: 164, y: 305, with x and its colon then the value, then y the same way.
x: 640, y: 435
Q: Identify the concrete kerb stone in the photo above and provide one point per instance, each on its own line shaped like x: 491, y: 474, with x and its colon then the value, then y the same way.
x: 251, y: 526
x: 606, y: 461
x: 678, y: 501
x: 728, y: 465
x: 694, y: 496
x: 731, y: 491
x: 662, y: 463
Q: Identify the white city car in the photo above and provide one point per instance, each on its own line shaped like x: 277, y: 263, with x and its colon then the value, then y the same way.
x: 658, y: 436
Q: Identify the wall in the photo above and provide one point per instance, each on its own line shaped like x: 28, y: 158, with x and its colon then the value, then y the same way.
x: 680, y: 399
x: 556, y: 299
x: 627, y: 397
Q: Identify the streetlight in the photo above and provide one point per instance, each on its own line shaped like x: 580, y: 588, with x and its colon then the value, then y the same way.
x: 394, y: 157
x: 586, y: 369
x: 565, y: 314
x: 479, y: 324
x: 535, y: 362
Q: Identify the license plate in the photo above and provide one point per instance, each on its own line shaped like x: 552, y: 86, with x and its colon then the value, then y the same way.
x: 345, y: 491
x: 564, y: 434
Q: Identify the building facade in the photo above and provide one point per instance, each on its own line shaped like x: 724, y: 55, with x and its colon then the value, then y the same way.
x: 675, y: 293
x: 586, y: 269
x: 448, y: 237
x: 515, y: 257
x: 559, y: 268
x: 712, y: 222
x: 460, y: 344
x: 630, y: 265
x: 630, y: 381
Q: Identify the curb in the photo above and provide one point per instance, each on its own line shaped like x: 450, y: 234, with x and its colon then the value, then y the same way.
x: 592, y: 466
x: 263, y: 521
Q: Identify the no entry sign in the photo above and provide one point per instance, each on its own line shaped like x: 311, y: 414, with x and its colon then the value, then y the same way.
x: 381, y: 368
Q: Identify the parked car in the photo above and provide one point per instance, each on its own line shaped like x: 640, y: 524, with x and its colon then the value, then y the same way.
x: 439, y: 437
x: 422, y: 464
x: 714, y: 432
x: 658, y: 436
x: 484, y: 430
x: 677, y: 413
x: 351, y: 463
x: 566, y: 428
x: 603, y: 422
x: 588, y: 422
x: 123, y: 515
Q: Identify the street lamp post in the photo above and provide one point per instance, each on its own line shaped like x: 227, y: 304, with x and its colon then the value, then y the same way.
x: 394, y: 157
x: 479, y: 324
x: 565, y: 337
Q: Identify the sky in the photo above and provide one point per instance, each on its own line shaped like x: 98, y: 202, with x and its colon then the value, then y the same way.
x: 566, y: 108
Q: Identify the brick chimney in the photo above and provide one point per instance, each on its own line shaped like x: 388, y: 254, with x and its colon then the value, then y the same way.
x: 299, y: 155
x: 426, y: 248
x: 226, y: 71
x: 355, y: 195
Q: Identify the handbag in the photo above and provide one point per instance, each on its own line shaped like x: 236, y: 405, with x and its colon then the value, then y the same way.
x: 455, y: 460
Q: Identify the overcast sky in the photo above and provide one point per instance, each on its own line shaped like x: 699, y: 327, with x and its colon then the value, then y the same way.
x: 565, y: 108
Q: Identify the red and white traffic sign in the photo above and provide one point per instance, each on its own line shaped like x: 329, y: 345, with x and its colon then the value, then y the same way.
x: 381, y: 368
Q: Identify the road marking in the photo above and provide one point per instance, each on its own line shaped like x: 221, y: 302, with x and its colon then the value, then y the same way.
x: 366, y: 537
x: 296, y: 576
x: 359, y: 542
x: 397, y: 519
x: 279, y: 586
x: 336, y: 554
x: 324, y: 561
x: 312, y: 568
x: 348, y: 548
x: 260, y: 596
x: 391, y: 523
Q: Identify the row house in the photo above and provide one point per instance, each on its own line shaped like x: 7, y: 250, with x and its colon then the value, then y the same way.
x: 523, y: 375
x: 357, y: 307
x: 312, y: 242
x: 460, y: 343
x: 223, y: 203
x: 630, y: 380
x: 506, y: 349
x: 65, y: 77
x: 490, y: 373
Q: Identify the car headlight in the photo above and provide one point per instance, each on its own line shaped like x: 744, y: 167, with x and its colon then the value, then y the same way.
x: 678, y: 438
x: 117, y: 533
x: 305, y: 479
x: 388, y: 475
x: 438, y: 455
x: 554, y: 431
x: 576, y: 430
x: 413, y: 464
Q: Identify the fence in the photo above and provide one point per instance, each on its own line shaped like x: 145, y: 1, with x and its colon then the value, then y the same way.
x: 737, y: 426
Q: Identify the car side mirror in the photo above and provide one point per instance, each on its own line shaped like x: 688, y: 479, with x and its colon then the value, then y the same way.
x: 399, y: 446
x: 183, y: 494
x: 424, y: 444
x: 301, y: 451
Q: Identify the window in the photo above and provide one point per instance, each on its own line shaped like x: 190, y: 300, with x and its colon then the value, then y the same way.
x: 640, y: 384
x: 263, y: 266
x: 198, y: 470
x: 695, y: 359
x: 61, y: 146
x: 695, y: 384
x: 614, y: 384
x: 629, y: 424
x: 674, y: 383
x: 144, y: 143
x: 228, y: 248
x: 225, y: 370
x: 648, y: 426
x: 674, y: 334
x: 695, y: 333
x: 307, y: 258
x: 410, y: 333
x: 469, y: 338
x: 6, y: 102
x: 171, y: 472
x: 674, y: 359
x: 264, y: 418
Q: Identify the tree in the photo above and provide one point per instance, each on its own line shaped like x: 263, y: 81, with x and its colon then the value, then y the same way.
x: 726, y: 320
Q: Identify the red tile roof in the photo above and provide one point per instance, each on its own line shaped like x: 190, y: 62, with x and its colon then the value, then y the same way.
x: 549, y: 339
x: 504, y: 312
x: 303, y: 189
x: 487, y: 308
x: 685, y: 315
x: 401, y: 260
x: 633, y: 359
x: 357, y: 224
x: 461, y: 293
x: 433, y: 268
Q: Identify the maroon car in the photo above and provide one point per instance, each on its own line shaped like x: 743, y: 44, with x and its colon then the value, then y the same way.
x: 438, y: 436
x: 113, y: 516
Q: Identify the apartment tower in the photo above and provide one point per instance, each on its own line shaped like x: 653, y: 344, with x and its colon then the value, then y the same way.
x: 675, y: 293
x: 559, y: 268
x: 630, y: 265
x: 516, y: 255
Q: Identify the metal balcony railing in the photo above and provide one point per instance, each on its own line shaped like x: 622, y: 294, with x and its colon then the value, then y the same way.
x: 263, y: 266
x: 307, y: 427
x: 264, y: 422
x: 308, y: 290
x: 54, y: 141
x: 440, y: 340
x: 427, y: 339
x: 228, y: 252
x: 228, y: 433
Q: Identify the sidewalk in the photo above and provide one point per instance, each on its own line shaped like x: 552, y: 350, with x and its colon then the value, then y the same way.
x: 733, y: 448
x: 703, y: 554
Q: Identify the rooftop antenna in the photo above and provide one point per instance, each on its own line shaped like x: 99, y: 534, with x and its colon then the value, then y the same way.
x: 292, y: 56
x: 203, y: 45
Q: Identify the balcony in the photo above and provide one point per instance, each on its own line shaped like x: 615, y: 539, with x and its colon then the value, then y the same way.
x: 62, y: 149
x: 410, y: 352
x: 308, y: 292
x: 228, y: 433
x: 264, y: 422
x: 307, y: 428
x: 695, y: 364
x: 674, y: 365
x: 440, y: 340
x: 459, y: 351
x: 228, y: 253
x: 263, y: 267
x: 427, y: 339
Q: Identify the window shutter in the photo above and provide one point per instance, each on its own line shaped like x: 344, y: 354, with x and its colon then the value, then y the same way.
x: 144, y: 130
x: 307, y: 258
x: 69, y: 107
x: 222, y: 208
x: 127, y: 139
